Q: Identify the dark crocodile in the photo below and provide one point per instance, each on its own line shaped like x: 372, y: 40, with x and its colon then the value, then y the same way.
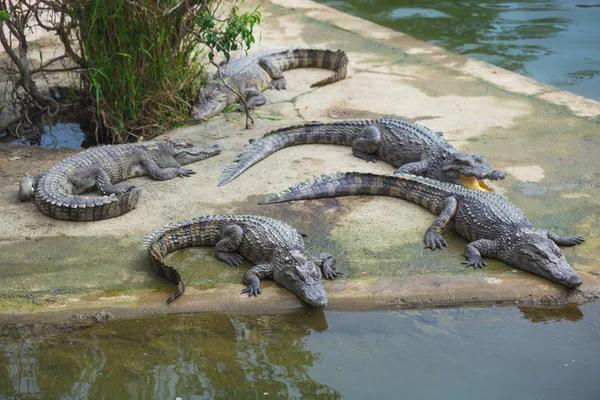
x: 57, y: 192
x: 276, y: 248
x: 255, y: 73
x: 494, y: 226
x: 407, y: 146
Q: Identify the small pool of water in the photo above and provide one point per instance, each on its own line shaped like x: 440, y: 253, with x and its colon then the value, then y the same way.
x: 455, y: 353
x: 555, y: 42
x: 61, y: 134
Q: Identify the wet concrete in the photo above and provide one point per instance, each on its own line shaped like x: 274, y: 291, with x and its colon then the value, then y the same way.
x: 545, y: 139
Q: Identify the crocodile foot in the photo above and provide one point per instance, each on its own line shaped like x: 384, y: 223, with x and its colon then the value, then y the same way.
x: 434, y: 240
x: 252, y: 290
x: 278, y: 84
x: 183, y: 172
x: 233, y: 259
x: 475, y: 262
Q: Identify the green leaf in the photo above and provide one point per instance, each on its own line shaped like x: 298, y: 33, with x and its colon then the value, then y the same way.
x: 4, y: 15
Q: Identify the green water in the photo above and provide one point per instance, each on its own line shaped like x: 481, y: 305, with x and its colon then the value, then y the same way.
x: 555, y: 42
x: 461, y: 353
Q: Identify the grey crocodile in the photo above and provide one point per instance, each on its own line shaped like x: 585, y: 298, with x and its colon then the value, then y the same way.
x: 57, y: 192
x: 405, y: 145
x: 257, y: 72
x: 494, y: 226
x: 276, y: 248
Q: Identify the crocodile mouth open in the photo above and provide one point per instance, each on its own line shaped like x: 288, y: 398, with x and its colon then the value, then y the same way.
x: 475, y: 184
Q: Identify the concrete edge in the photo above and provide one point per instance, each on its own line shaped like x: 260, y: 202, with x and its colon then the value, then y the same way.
x: 510, y: 81
x: 361, y: 295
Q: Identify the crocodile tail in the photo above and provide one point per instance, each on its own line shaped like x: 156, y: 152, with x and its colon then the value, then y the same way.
x: 416, y: 189
x: 334, y: 60
x: 80, y: 209
x: 340, y: 133
x: 194, y: 232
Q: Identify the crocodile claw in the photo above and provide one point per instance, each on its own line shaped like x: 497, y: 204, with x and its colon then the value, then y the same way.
x: 185, y: 172
x: 331, y: 274
x: 475, y: 263
x: 233, y: 259
x: 574, y: 241
x: 252, y: 290
x: 434, y: 240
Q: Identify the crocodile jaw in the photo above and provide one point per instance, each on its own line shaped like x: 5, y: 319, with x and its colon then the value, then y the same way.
x: 473, y: 183
x: 197, y: 153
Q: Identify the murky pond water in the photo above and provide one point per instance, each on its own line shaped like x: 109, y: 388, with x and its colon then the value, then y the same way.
x: 552, y: 41
x: 61, y: 134
x: 455, y: 353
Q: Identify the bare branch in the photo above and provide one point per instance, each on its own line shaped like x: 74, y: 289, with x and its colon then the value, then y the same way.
x: 249, y: 120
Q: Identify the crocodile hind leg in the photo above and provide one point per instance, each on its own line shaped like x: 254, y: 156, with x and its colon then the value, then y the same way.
x: 474, y: 250
x: 326, y: 262
x: 561, y: 241
x: 253, y: 276
x: 225, y: 249
x: 107, y: 188
x: 163, y: 174
x: 278, y: 81
x: 367, y: 144
x: 27, y: 187
x: 433, y: 235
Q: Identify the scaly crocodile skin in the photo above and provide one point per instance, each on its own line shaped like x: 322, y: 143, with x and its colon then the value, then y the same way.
x: 276, y: 248
x: 494, y: 226
x: 407, y: 146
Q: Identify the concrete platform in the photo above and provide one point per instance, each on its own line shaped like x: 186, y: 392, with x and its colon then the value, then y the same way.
x: 546, y: 139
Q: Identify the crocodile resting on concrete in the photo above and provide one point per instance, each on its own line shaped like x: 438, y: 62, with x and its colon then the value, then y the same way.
x: 407, y: 146
x: 494, y: 226
x: 56, y: 192
x: 276, y: 248
x: 257, y: 72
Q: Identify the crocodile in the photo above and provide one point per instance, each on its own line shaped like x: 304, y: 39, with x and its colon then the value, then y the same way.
x: 493, y: 225
x: 257, y: 72
x: 57, y: 191
x: 275, y: 247
x: 410, y: 147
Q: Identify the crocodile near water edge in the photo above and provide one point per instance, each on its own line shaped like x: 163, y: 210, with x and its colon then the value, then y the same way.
x: 492, y: 224
x: 275, y: 247
x: 257, y: 72
x: 405, y: 145
x: 57, y: 192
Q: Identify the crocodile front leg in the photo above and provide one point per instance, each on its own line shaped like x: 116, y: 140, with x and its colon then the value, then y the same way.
x: 367, y: 144
x: 561, y: 241
x: 107, y: 188
x: 253, y: 276
x: 433, y: 235
x: 474, y: 250
x: 254, y: 98
x: 225, y: 249
x: 278, y: 81
x: 163, y: 174
x: 415, y: 168
x: 326, y: 261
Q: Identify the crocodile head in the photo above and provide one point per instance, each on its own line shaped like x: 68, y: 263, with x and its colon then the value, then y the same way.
x: 212, y: 99
x: 469, y: 170
x: 301, y: 276
x: 541, y: 256
x: 175, y: 153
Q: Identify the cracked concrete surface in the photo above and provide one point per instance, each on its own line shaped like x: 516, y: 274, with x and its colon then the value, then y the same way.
x: 545, y: 139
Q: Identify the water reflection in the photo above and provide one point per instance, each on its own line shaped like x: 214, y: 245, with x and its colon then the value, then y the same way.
x: 453, y: 353
x: 210, y: 355
x: 568, y: 312
x: 551, y: 41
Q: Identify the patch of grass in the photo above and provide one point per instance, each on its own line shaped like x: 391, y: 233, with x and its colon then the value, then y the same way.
x: 143, y: 67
